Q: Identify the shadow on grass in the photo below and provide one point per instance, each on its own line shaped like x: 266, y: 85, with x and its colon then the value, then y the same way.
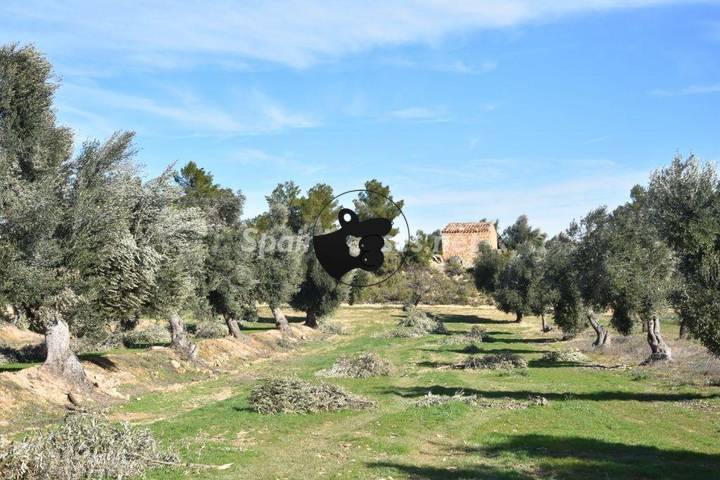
x: 601, y: 459
x: 413, y: 392
x: 99, y: 360
x: 26, y: 353
x: 572, y: 457
x: 477, y: 349
x: 520, y: 340
x: 550, y: 364
x: 268, y: 323
x: 439, y: 473
x: 473, y: 319
x: 244, y: 409
x: 433, y: 364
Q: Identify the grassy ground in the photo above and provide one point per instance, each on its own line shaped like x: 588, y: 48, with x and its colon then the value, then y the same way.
x: 600, y: 423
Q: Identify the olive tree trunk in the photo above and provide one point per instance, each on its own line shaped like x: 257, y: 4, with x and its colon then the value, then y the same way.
x: 518, y: 317
x: 659, y: 349
x: 180, y: 340
x: 233, y: 326
x: 603, y: 336
x: 281, y: 321
x: 544, y: 324
x: 683, y: 329
x: 60, y: 358
x: 311, y: 319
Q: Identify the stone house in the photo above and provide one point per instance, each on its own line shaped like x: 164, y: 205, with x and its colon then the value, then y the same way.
x: 462, y: 240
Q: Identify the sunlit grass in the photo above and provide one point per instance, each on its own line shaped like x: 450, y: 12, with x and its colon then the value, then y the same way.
x: 600, y: 423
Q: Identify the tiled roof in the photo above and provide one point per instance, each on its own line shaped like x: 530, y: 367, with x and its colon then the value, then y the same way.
x: 467, y: 227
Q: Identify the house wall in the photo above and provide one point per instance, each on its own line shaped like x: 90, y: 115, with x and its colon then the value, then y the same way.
x: 465, y: 245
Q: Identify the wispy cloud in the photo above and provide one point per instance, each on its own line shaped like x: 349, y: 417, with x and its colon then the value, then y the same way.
x: 691, y: 90
x: 285, y: 162
x: 298, y: 33
x: 449, y: 66
x: 420, y: 114
x: 251, y: 113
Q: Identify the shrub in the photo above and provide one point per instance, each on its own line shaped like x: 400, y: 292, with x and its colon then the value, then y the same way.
x: 505, y: 403
x: 362, y: 365
x: 155, y: 334
x: 495, y: 361
x: 569, y: 356
x: 211, y: 329
x: 418, y: 323
x: 293, y: 395
x: 401, y: 333
x: 478, y: 333
x: 83, y: 447
x: 432, y: 400
x: 454, y: 267
x: 331, y: 328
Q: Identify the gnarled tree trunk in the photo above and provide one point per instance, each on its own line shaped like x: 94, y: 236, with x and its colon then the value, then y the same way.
x: 180, y: 340
x: 518, y: 317
x: 660, y: 350
x: 603, y: 336
x: 60, y: 359
x: 310, y: 319
x: 544, y: 324
x: 281, y: 321
x: 233, y: 326
x: 683, y: 329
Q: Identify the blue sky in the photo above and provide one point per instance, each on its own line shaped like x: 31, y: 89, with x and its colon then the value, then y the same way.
x: 467, y: 109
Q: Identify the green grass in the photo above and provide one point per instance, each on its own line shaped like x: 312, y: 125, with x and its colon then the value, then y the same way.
x: 16, y: 366
x: 599, y: 423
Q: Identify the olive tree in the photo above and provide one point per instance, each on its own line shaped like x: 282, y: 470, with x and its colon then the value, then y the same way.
x: 177, y: 235
x: 542, y: 294
x: 488, y: 265
x: 228, y: 285
x: 589, y: 265
x: 319, y: 294
x: 62, y: 220
x: 513, y: 275
x: 34, y: 152
x: 419, y: 279
x: 277, y: 262
x: 641, y: 269
x: 561, y: 279
x: 684, y: 204
x: 230, y: 278
x: 514, y: 291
